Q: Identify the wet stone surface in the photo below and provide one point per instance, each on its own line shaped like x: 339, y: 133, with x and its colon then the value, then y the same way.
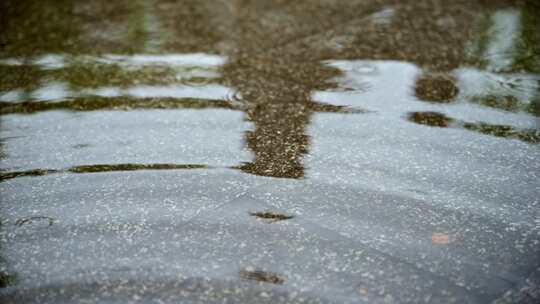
x: 270, y: 151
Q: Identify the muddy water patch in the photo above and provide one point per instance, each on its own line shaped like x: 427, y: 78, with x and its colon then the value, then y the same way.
x: 132, y: 167
x: 101, y: 168
x: 18, y: 78
x: 531, y: 136
x: 435, y: 119
x: 432, y: 119
x: 436, y: 88
x: 59, y: 77
x: 89, y: 27
x: 36, y: 172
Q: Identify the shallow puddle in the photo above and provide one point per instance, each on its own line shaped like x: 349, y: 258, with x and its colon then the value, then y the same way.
x: 399, y: 141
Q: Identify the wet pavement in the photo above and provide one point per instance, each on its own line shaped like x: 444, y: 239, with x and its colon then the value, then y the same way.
x: 270, y: 151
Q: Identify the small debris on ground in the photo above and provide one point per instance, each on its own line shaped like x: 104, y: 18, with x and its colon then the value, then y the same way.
x: 440, y: 238
x: 251, y: 273
x: 29, y: 220
x: 274, y: 217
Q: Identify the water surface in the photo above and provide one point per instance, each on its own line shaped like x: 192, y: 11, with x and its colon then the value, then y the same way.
x: 269, y: 151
